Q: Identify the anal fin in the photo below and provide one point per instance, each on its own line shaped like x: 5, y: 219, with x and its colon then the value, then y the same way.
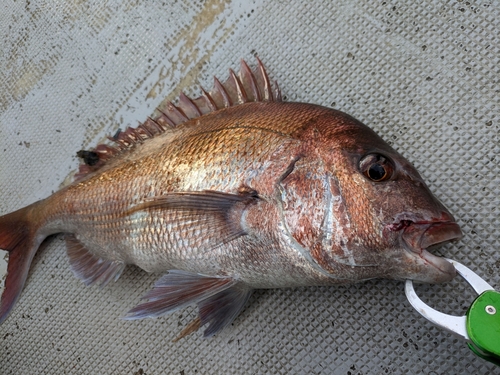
x: 219, y: 299
x: 221, y: 309
x: 89, y: 268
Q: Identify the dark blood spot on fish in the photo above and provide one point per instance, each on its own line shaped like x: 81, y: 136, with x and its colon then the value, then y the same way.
x: 89, y: 157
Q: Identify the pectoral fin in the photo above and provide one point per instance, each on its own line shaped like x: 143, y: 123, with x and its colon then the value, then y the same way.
x: 212, y: 217
x: 197, y: 201
x: 219, y: 299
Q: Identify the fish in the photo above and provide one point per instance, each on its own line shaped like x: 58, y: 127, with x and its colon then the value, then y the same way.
x: 234, y: 191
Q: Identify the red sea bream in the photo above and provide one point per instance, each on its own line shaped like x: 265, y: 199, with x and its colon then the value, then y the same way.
x: 233, y: 191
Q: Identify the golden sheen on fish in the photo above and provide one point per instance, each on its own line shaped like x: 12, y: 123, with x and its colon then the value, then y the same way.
x: 233, y: 191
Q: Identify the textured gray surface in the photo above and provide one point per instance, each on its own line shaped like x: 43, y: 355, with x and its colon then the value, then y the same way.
x: 425, y: 75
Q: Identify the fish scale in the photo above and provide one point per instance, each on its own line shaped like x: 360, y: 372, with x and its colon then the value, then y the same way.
x: 233, y: 191
x: 127, y: 188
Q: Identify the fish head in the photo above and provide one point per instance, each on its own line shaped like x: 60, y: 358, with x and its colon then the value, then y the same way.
x: 378, y: 216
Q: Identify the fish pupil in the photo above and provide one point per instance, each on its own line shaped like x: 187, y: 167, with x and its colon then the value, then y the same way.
x: 376, y: 172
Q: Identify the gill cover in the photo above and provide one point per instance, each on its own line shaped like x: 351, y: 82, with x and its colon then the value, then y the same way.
x: 316, y: 217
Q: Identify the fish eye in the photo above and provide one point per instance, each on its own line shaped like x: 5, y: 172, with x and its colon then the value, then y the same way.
x: 376, y: 167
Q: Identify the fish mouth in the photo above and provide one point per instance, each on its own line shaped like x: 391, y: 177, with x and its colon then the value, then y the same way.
x: 422, y: 235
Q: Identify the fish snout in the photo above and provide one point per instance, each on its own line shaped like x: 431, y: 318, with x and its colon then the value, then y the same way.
x: 424, y: 234
x: 419, y: 236
x: 445, y: 217
x: 440, y: 233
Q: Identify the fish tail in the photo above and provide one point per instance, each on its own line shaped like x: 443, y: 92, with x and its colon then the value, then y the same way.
x: 19, y: 237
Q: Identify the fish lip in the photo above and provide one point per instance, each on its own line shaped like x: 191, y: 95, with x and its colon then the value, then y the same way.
x: 421, y: 235
x: 418, y: 236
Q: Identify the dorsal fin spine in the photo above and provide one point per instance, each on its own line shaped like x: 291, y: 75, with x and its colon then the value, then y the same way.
x: 120, y: 142
x: 134, y: 135
x: 240, y: 90
x: 190, y: 109
x: 180, y: 116
x: 268, y: 93
x: 246, y: 86
x: 154, y: 126
x: 218, y: 87
x: 105, y: 151
x: 277, y: 92
x: 246, y: 72
x: 208, y: 98
x: 164, y: 117
x: 145, y: 130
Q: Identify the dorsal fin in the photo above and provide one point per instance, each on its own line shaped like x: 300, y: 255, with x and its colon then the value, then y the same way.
x: 246, y: 86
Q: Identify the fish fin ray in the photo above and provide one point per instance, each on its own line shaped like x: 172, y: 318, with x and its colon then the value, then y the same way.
x: 267, y: 91
x: 206, y: 103
x: 221, y: 94
x: 189, y: 107
x: 215, y: 213
x: 176, y: 290
x: 241, y: 94
x: 90, y: 268
x: 192, y: 327
x: 248, y: 79
x: 207, y: 200
x: 222, y: 308
x: 176, y: 113
x: 18, y: 236
x: 247, y: 86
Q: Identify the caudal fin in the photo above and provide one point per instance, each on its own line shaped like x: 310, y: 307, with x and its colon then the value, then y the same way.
x: 18, y: 236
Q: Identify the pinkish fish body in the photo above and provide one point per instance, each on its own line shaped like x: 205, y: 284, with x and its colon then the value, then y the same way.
x: 233, y: 191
